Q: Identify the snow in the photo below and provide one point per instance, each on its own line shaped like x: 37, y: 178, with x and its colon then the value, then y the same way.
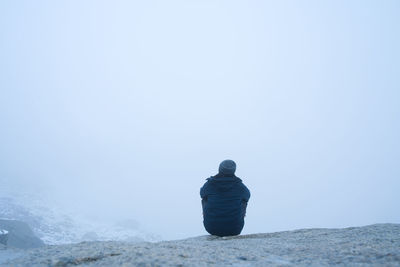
x: 56, y: 226
x: 3, y: 232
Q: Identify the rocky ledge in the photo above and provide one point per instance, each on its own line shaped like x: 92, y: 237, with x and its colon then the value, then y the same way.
x: 377, y: 244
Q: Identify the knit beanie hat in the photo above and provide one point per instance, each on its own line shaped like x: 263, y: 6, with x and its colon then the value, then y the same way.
x: 227, y: 167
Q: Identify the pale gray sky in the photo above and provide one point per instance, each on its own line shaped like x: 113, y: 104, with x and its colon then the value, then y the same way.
x: 121, y: 109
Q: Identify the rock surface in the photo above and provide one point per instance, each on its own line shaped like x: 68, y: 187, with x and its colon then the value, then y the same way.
x: 19, y: 235
x: 375, y: 245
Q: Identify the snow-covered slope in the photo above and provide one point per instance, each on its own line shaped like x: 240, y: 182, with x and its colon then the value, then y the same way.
x: 56, y: 226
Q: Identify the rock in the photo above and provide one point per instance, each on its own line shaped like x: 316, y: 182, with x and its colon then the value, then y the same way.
x: 3, y: 237
x: 19, y: 235
x: 373, y: 245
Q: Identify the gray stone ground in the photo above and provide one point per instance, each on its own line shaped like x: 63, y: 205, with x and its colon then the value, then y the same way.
x: 377, y: 245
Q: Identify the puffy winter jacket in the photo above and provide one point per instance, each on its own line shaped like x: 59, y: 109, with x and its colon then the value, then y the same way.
x: 224, y: 201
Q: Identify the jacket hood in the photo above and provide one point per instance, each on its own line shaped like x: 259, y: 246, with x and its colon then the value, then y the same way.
x: 224, y: 183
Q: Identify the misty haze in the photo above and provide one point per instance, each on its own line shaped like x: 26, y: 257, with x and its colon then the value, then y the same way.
x: 114, y: 113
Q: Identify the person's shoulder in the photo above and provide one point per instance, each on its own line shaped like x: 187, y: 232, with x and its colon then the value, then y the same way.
x: 239, y: 181
x: 208, y: 180
x: 243, y: 185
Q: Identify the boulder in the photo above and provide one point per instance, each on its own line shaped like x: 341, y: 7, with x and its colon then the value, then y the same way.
x: 3, y: 237
x: 19, y: 235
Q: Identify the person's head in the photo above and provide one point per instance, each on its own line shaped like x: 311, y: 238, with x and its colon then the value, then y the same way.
x: 227, y: 167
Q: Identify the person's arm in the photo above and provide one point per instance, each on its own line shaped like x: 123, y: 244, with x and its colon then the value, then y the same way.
x: 245, y: 199
x: 203, y: 191
x: 203, y: 195
x: 244, y: 207
x: 246, y: 193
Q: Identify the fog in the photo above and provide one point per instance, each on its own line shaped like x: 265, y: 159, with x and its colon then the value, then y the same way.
x: 122, y: 109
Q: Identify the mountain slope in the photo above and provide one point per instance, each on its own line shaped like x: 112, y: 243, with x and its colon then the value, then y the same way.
x: 56, y: 227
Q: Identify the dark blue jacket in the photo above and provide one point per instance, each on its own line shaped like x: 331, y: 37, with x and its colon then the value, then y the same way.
x: 224, y: 201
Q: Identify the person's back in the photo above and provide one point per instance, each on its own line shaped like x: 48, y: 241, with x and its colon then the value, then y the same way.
x: 224, y: 201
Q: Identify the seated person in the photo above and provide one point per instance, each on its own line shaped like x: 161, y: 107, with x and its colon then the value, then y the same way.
x: 224, y: 200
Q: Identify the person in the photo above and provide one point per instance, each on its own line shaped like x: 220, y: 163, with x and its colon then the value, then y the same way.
x: 224, y: 201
